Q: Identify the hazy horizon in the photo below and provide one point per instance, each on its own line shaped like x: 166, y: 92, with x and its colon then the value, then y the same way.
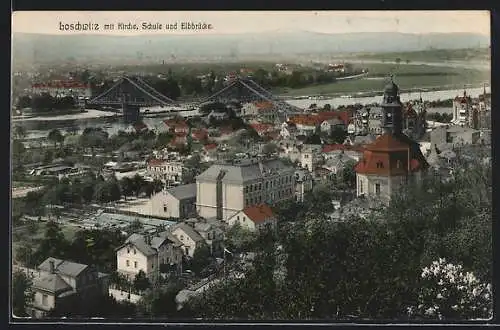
x: 234, y: 22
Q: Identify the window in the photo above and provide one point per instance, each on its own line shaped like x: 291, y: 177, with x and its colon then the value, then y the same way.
x: 377, y: 189
x: 380, y: 164
x: 360, y: 186
x: 398, y: 164
x: 45, y: 300
x: 267, y: 184
x: 128, y: 263
x: 135, y: 251
x: 135, y: 264
x: 152, y: 266
x: 244, y: 219
x: 128, y: 250
x: 164, y: 207
x: 238, y: 218
x: 260, y: 186
x: 182, y: 237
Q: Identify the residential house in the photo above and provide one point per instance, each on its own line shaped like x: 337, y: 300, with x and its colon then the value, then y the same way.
x: 266, y: 112
x: 212, y: 232
x: 177, y: 125
x: 148, y: 253
x: 177, y: 202
x: 330, y: 125
x: 262, y: 129
x: 165, y: 170
x: 455, y: 135
x: 189, y: 238
x: 62, y: 282
x: 227, y: 188
x: 254, y: 218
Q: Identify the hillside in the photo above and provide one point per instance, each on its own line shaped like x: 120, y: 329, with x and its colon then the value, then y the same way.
x: 37, y: 48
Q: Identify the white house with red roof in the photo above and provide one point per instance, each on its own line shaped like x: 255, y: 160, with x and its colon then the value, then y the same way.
x: 176, y: 125
x: 254, y: 218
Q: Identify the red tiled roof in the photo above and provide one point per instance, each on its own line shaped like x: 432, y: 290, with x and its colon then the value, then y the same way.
x: 258, y: 213
x: 210, y: 146
x: 176, y: 123
x: 261, y: 127
x: 389, y: 155
x: 155, y: 162
x: 226, y: 130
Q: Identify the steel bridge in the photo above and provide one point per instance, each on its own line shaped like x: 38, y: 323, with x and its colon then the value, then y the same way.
x: 131, y: 93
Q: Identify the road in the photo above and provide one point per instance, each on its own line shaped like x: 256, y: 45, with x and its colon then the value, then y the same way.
x: 23, y: 191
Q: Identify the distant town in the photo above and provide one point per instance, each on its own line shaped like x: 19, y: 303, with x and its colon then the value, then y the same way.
x: 218, y: 192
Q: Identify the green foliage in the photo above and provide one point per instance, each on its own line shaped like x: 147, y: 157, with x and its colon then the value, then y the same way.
x: 160, y: 303
x: 21, y: 293
x: 201, y: 258
x: 141, y: 282
x: 363, y: 268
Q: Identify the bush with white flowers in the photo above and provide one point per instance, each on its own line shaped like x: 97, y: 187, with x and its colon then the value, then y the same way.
x: 449, y: 292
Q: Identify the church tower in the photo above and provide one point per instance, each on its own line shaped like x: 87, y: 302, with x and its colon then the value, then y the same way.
x: 392, y: 108
x: 393, y: 159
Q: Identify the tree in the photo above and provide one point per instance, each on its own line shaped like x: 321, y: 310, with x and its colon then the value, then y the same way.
x: 141, y: 282
x: 349, y: 174
x: 160, y: 303
x: 397, y: 60
x: 24, y: 102
x: 21, y: 293
x: 19, y: 132
x: 448, y: 292
x: 55, y: 136
x: 201, y: 258
x: 127, y: 186
x: 327, y: 107
x: 338, y: 134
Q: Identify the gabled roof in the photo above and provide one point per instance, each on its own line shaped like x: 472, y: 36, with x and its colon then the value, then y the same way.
x: 183, y: 191
x: 188, y: 230
x: 258, y: 213
x: 52, y: 283
x: 139, y: 242
x: 63, y: 267
x: 392, y: 155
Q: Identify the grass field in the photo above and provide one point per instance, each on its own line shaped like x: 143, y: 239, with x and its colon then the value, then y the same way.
x: 434, y: 55
x: 406, y: 76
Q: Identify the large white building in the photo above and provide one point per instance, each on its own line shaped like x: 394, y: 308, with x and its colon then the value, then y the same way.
x: 225, y: 189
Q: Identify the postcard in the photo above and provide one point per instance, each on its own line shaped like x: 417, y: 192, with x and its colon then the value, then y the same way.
x: 251, y: 166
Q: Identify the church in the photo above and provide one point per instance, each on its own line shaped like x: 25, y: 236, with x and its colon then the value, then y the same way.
x: 393, y: 159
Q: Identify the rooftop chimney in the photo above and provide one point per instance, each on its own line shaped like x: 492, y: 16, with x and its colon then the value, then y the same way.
x: 52, y: 268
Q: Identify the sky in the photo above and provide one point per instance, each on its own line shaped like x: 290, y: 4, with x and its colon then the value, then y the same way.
x: 229, y: 22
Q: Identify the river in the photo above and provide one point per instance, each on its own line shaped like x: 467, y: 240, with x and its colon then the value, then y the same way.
x: 38, y: 128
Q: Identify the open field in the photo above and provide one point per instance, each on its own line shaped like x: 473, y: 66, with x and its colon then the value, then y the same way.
x: 479, y: 54
x: 407, y: 77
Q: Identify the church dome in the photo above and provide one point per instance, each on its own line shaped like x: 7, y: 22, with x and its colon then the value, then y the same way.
x: 391, y: 88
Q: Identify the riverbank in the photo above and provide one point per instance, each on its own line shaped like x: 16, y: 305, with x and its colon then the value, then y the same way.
x: 410, y: 77
x: 88, y: 114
